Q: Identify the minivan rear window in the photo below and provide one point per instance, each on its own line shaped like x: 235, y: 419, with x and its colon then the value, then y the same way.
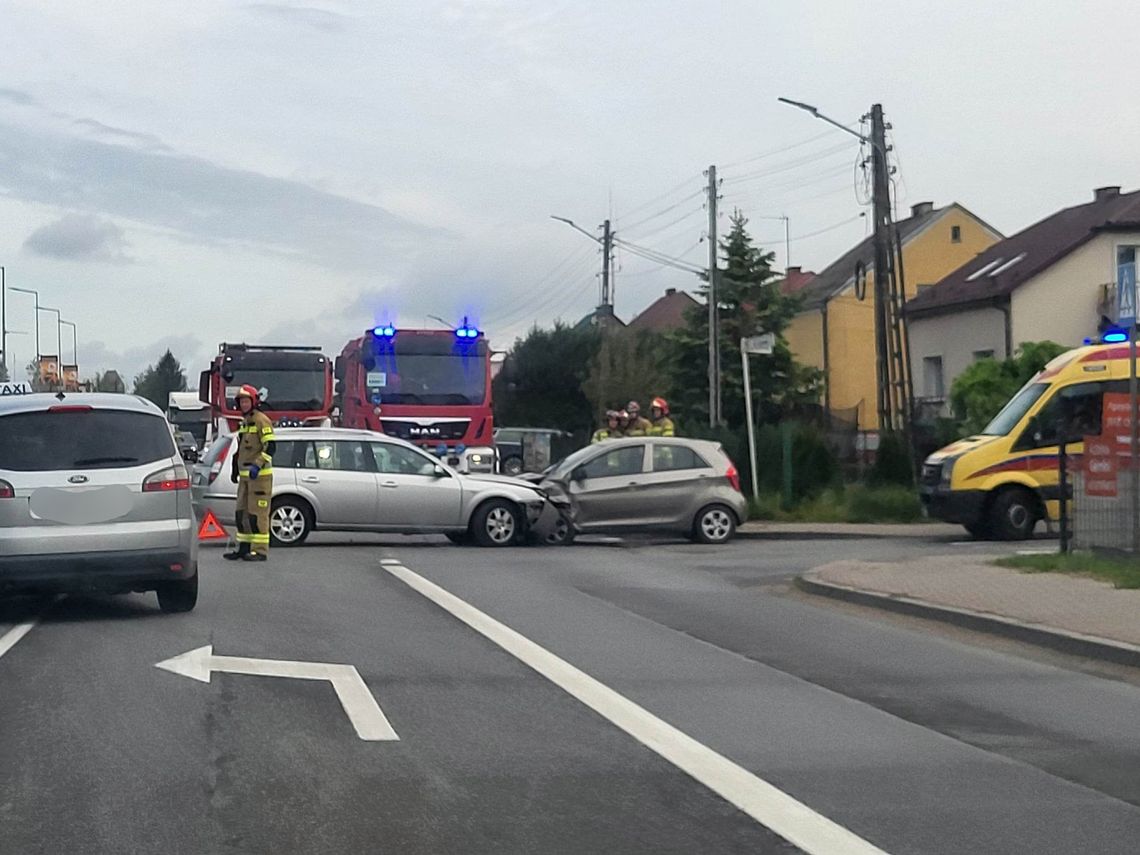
x: 82, y: 439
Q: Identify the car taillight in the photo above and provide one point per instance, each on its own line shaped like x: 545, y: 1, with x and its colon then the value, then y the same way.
x: 70, y: 408
x: 6, y: 491
x: 171, y: 478
x: 733, y: 477
x: 217, y: 467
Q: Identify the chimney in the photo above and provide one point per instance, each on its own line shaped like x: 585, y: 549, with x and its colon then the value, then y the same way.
x: 1103, y: 194
x: 792, y: 271
x: 669, y: 292
x: 921, y: 208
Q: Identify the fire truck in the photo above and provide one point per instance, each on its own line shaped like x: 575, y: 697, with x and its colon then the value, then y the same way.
x: 430, y: 387
x: 295, y: 384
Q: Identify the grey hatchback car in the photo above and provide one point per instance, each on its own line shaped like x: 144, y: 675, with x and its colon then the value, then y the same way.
x: 94, y: 496
x: 667, y: 483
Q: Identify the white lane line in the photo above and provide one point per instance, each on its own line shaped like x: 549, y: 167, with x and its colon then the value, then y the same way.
x: 768, y: 805
x: 13, y: 636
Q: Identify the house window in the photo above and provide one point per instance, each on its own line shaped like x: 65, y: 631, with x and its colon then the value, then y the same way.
x: 955, y: 234
x: 1126, y: 266
x: 932, y: 377
x: 983, y: 354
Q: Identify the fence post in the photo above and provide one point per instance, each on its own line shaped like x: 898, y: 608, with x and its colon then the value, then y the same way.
x: 786, y: 444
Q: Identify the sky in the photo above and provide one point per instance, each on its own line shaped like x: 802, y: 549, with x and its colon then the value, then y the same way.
x: 179, y: 174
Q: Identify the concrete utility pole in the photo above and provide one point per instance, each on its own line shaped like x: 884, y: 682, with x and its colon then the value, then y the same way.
x: 714, y: 316
x: 881, y: 204
x: 3, y: 323
x: 607, y: 261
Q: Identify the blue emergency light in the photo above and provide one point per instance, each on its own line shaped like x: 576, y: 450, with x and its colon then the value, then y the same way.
x: 386, y: 331
x: 1114, y: 337
x: 468, y: 332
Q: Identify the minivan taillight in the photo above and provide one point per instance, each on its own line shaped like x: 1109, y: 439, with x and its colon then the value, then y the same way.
x: 171, y: 478
x: 6, y: 491
x: 217, y: 467
x: 733, y: 477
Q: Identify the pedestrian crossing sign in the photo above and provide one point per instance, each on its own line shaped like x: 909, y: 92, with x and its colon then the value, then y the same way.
x: 1126, y: 295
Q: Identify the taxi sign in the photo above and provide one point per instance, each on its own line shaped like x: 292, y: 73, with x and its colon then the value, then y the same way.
x: 7, y: 389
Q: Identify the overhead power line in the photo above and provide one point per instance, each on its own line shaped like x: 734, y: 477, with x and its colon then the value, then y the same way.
x: 791, y: 164
x: 662, y: 212
x: 773, y: 152
x: 659, y: 257
x: 688, y: 182
x: 806, y: 235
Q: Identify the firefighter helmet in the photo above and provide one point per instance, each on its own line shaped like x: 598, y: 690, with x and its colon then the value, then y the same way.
x: 660, y: 404
x: 247, y: 391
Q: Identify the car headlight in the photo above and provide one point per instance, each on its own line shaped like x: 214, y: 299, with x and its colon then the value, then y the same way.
x: 947, y: 471
x: 475, y: 458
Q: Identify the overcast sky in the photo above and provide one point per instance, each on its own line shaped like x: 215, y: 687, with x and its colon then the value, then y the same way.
x: 185, y: 173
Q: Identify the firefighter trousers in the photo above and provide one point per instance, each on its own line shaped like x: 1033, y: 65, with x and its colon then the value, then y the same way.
x: 252, y: 512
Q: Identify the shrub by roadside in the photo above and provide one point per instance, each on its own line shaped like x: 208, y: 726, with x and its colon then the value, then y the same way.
x: 1122, y: 571
x: 857, y: 503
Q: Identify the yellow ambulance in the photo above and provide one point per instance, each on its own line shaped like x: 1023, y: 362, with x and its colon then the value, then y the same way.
x: 1001, y: 482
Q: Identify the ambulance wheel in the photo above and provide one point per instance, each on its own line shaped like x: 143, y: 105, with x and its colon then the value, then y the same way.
x: 1013, y: 514
x: 290, y: 521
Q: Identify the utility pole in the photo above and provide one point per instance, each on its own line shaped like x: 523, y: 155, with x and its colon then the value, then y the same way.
x: 881, y: 204
x: 714, y: 315
x: 3, y: 324
x: 607, y: 260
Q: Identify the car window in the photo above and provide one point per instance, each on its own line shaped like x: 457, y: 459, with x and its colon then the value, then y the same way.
x: 669, y: 458
x: 284, y: 453
x: 620, y: 461
x: 82, y: 439
x: 508, y: 436
x: 341, y: 455
x: 397, y: 460
x: 1083, y: 404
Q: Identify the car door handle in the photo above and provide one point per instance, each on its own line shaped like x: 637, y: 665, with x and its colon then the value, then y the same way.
x: 388, y: 484
x: 310, y: 479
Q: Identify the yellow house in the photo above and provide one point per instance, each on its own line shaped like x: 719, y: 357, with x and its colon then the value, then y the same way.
x: 835, y: 330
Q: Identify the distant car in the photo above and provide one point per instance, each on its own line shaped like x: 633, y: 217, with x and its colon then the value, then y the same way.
x: 646, y: 483
x: 93, y: 495
x: 509, y: 446
x: 336, y: 479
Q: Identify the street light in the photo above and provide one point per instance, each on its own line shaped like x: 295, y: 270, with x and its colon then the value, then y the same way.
x: 3, y: 323
x: 36, y: 294
x: 574, y: 225
x: 74, y: 345
x: 58, y: 339
x: 815, y: 112
x: 787, y: 241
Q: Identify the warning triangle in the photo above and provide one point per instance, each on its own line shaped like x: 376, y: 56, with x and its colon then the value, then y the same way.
x: 211, y: 529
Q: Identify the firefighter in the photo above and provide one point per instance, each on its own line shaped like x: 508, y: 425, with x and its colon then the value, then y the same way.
x: 660, y: 423
x: 637, y: 425
x: 610, y: 431
x: 253, y: 473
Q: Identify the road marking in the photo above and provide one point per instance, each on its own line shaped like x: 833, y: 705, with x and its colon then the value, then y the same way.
x: 768, y: 805
x: 13, y: 636
x: 359, y: 705
x: 1037, y: 552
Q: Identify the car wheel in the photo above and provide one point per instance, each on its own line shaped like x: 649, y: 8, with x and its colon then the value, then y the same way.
x: 460, y: 538
x: 179, y: 596
x: 1013, y: 514
x: 496, y: 523
x: 714, y: 524
x: 562, y: 535
x: 290, y: 522
x: 513, y: 466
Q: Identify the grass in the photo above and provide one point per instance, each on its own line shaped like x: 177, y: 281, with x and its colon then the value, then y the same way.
x: 1122, y: 572
x: 855, y: 504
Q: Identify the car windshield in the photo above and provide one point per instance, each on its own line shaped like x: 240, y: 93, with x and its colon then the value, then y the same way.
x: 282, y: 389
x: 429, y: 378
x: 82, y: 439
x: 1012, y: 413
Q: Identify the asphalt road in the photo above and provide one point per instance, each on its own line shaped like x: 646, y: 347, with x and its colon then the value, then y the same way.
x: 789, y: 715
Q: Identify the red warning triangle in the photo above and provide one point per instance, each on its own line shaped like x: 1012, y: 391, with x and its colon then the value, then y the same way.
x: 211, y: 529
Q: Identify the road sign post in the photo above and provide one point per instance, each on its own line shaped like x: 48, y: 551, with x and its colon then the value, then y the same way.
x: 761, y: 344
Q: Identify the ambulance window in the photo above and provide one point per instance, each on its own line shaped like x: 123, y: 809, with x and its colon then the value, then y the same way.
x: 1084, y: 402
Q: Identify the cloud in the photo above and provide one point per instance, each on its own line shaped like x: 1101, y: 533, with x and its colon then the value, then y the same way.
x: 205, y: 200
x: 79, y: 237
x: 309, y: 16
x: 190, y: 351
x: 119, y: 135
x: 17, y: 96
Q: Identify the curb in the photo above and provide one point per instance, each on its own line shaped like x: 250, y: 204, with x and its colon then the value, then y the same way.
x: 831, y: 535
x: 1074, y: 643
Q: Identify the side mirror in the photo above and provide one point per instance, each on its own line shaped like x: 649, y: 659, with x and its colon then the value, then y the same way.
x: 438, y: 471
x: 578, y: 475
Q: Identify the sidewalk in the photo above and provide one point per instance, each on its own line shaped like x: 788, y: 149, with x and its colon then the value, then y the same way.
x: 1069, y: 613
x: 934, y: 531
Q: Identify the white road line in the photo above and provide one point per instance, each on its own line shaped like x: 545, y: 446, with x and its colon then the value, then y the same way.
x: 771, y: 807
x: 13, y: 636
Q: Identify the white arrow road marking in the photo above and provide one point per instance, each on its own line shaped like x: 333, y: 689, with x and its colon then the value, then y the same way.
x: 361, y: 708
x: 12, y: 637
x: 771, y: 807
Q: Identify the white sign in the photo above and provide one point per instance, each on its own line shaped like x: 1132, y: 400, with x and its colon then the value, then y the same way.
x: 361, y: 708
x: 377, y: 379
x: 15, y: 389
x: 761, y: 344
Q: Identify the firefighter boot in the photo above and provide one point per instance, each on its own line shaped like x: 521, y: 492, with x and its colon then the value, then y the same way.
x: 241, y: 552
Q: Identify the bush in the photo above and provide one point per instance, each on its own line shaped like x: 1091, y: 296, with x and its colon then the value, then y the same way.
x: 867, y: 504
x: 892, y: 462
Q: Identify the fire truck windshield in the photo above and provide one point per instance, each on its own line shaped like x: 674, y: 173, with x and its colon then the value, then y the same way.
x: 427, y: 378
x: 284, y: 389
